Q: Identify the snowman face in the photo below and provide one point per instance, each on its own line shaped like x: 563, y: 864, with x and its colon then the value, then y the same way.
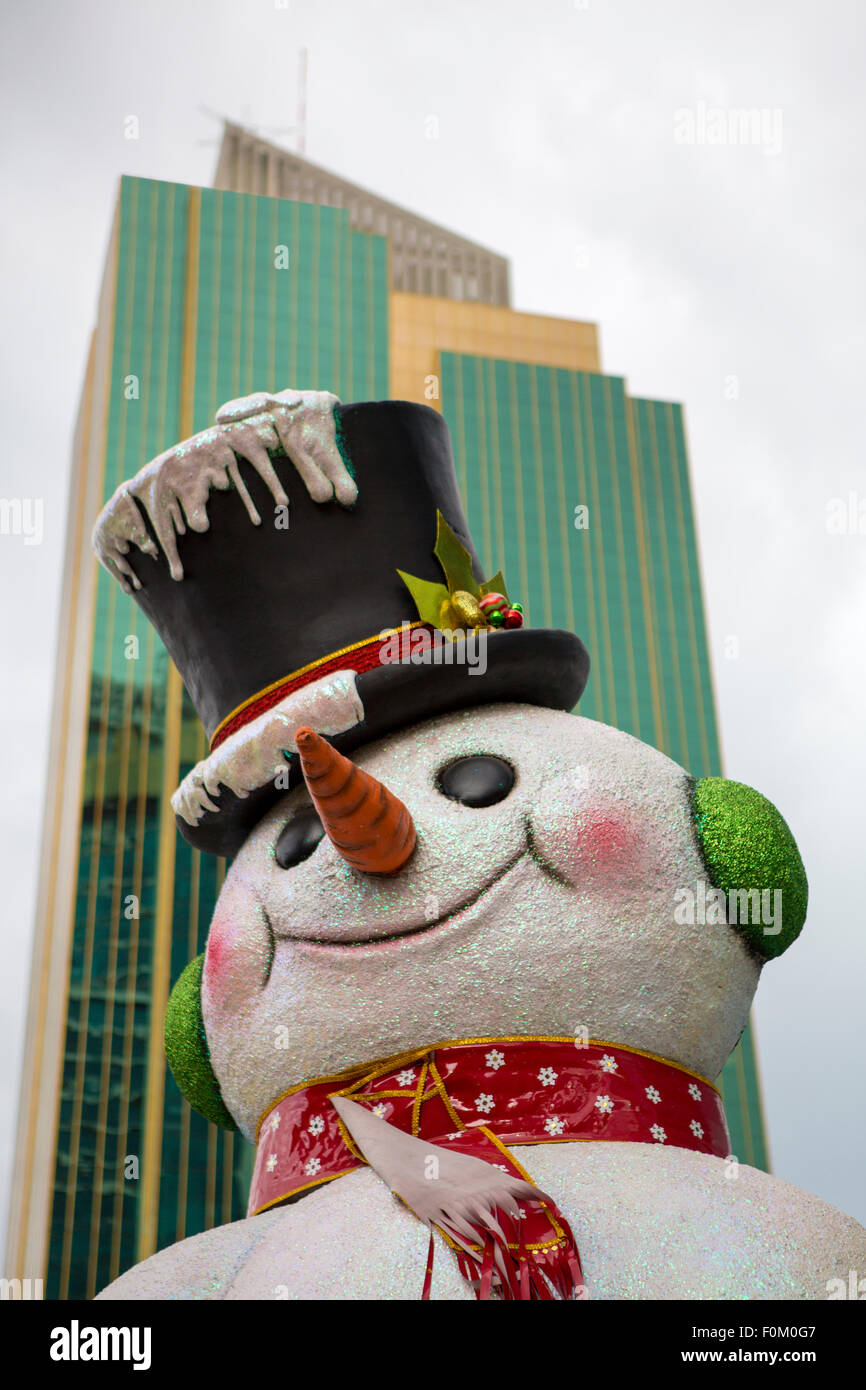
x: 539, y: 900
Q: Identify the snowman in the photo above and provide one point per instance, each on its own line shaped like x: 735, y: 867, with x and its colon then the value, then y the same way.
x: 478, y: 962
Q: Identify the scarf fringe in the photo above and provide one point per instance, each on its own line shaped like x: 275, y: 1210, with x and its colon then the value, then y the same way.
x: 521, y: 1275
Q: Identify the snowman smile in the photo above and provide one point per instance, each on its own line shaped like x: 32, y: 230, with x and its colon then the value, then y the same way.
x: 423, y: 930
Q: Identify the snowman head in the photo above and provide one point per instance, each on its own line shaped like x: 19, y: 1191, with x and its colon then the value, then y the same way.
x: 565, y: 880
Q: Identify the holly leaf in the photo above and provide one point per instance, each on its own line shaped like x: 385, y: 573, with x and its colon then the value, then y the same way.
x: 454, y: 559
x: 428, y: 597
x: 496, y: 585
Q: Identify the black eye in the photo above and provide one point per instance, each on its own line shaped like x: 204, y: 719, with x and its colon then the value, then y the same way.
x: 299, y: 838
x: 479, y: 781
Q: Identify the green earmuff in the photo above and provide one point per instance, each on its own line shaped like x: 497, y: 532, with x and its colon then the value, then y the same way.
x: 187, y: 1051
x: 751, y: 856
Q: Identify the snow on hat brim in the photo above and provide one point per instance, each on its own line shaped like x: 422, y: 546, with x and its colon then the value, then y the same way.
x: 257, y: 753
x: 536, y: 666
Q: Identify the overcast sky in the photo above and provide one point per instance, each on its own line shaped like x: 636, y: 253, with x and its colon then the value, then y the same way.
x: 581, y: 140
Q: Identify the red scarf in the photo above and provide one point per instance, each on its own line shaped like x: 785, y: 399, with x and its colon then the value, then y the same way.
x: 478, y: 1096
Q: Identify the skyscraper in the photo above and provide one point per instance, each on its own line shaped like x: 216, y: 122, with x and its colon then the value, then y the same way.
x: 578, y: 490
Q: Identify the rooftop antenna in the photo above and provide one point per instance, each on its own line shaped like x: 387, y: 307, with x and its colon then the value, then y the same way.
x: 302, y: 102
x: 265, y: 132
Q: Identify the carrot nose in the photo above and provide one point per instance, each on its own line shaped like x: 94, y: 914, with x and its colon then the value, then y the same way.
x: 366, y: 822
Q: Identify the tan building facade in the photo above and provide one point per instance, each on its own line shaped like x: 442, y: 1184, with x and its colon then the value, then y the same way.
x: 422, y: 327
x: 424, y: 257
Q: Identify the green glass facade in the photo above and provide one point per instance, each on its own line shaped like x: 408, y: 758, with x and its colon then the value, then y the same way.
x: 218, y: 294
x: 535, y: 444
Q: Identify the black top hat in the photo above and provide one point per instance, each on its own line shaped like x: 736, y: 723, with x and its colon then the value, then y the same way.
x: 264, y: 612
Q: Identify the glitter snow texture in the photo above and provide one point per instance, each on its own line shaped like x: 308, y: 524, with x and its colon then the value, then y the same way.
x: 548, y: 912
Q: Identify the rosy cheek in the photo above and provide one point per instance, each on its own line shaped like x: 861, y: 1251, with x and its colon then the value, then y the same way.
x: 218, y: 953
x: 237, y: 953
x: 605, y: 838
x: 588, y: 837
